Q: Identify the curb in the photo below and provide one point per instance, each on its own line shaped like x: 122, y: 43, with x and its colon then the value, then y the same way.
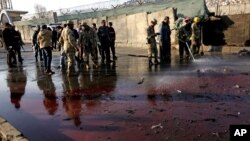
x: 9, y: 133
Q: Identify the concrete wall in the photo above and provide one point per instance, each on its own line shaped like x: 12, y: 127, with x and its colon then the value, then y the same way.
x: 26, y: 32
x: 131, y: 29
x: 119, y: 23
x: 231, y: 9
x: 238, y: 33
x: 160, y: 16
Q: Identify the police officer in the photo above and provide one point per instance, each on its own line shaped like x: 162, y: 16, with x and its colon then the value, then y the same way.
x: 69, y: 43
x: 89, y: 40
x: 103, y: 34
x: 196, y: 36
x: 36, y: 44
x: 152, y: 47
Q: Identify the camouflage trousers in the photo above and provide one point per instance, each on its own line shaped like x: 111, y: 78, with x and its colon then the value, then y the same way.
x: 70, y: 54
x: 152, y: 51
x: 90, y: 50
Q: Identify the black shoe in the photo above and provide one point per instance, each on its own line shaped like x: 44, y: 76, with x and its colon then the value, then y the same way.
x: 157, y: 62
x: 150, y: 63
x: 50, y: 72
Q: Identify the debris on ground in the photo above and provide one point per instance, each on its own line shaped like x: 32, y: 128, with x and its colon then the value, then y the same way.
x: 203, y: 86
x: 179, y: 91
x: 157, y: 126
x: 217, y: 134
x: 237, y: 86
x: 131, y: 111
x: 244, y: 73
x: 244, y: 52
x: 134, y: 96
x: 141, y: 81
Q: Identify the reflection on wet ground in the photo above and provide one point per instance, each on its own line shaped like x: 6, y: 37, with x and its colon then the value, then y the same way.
x: 128, y: 100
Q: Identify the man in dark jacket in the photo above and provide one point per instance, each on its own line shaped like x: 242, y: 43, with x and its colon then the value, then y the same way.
x: 8, y: 40
x: 17, y: 41
x: 103, y: 34
x: 112, y: 39
x: 165, y: 41
x: 54, y: 38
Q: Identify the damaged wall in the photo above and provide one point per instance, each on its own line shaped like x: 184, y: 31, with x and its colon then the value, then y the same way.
x: 238, y: 34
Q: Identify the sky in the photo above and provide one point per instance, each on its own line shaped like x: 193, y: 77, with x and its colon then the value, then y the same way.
x: 28, y: 5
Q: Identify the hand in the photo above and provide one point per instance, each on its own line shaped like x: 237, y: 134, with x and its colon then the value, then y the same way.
x: 193, y: 42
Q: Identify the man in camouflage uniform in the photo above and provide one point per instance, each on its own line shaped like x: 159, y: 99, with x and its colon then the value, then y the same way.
x: 69, y: 43
x: 184, y: 32
x: 152, y: 47
x: 88, y: 40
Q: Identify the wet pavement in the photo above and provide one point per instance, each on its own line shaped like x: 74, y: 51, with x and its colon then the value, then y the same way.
x: 128, y: 100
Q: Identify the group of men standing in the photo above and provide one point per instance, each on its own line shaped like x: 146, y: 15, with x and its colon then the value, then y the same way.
x: 164, y: 42
x: 188, y: 35
x: 76, y: 46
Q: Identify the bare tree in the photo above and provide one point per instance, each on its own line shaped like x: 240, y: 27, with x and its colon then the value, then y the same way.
x: 94, y: 9
x: 140, y: 2
x: 40, y: 11
x: 64, y: 12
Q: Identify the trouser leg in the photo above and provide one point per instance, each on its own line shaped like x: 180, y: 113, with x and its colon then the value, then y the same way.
x: 71, y: 61
x: 44, y: 52
x: 48, y: 58
x: 11, y: 57
x: 168, y: 51
x: 94, y: 54
x: 40, y: 54
x: 156, y: 54
x: 161, y: 53
x: 181, y: 50
x: 150, y: 53
x: 112, y: 47
x: 18, y: 51
x: 103, y: 51
x: 187, y: 53
x: 36, y: 47
x: 107, y: 53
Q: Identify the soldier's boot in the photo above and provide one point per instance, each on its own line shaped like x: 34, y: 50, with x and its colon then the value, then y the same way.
x: 150, y: 63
